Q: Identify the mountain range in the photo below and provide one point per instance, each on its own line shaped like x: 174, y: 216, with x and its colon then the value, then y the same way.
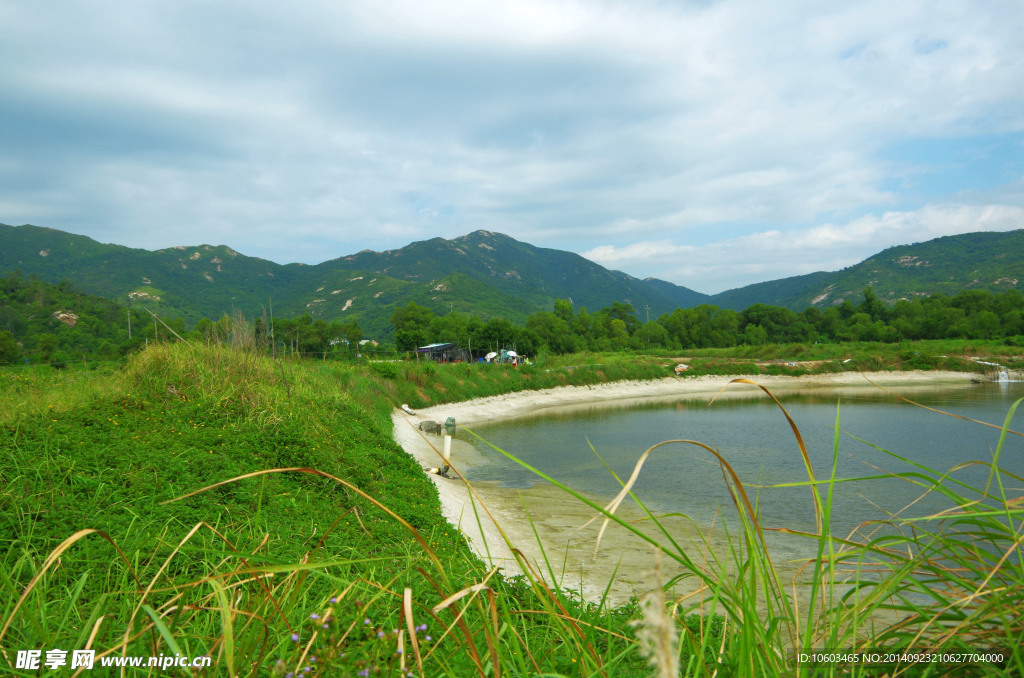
x: 483, y: 273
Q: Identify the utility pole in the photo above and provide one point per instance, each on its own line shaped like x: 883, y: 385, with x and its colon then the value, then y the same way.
x: 648, y: 309
x: 273, y: 342
x: 129, y: 324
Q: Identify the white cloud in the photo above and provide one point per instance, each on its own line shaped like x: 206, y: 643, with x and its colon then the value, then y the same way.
x: 635, y: 130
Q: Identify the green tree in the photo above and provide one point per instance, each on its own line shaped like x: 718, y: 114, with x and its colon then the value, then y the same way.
x: 203, y: 327
x: 412, y: 317
x: 625, y: 313
x: 781, y: 324
x: 553, y: 331
x: 9, y: 349
x: 619, y: 333
x: 409, y: 340
x: 983, y: 325
x: 563, y: 309
x: 47, y: 345
x: 872, y: 306
x: 582, y: 323
x: 755, y: 335
x: 650, y: 335
x: 354, y: 335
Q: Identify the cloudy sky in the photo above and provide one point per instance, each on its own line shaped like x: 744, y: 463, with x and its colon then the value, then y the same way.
x: 711, y: 144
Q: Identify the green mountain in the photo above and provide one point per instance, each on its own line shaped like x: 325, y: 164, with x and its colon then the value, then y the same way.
x: 947, y: 265
x: 774, y: 292
x: 483, y: 273
x: 191, y: 282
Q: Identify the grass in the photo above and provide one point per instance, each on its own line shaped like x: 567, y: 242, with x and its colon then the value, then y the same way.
x: 106, y: 545
x: 918, y: 355
x: 209, y: 501
x: 946, y: 584
x: 421, y: 384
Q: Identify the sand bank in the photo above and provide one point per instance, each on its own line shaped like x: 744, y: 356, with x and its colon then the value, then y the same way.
x: 558, y: 517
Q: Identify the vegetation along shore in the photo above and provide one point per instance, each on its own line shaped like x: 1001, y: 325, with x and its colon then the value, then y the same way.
x: 212, y: 500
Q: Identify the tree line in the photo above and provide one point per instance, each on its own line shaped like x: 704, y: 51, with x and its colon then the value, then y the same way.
x: 55, y: 324
x: 41, y: 322
x: 971, y: 314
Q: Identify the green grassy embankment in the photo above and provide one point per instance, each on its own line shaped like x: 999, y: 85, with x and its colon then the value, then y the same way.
x: 240, y: 570
x: 776, y: 359
x: 357, y: 573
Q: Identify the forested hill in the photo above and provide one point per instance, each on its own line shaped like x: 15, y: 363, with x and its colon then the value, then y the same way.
x: 972, y: 261
x: 55, y: 324
x: 484, y: 274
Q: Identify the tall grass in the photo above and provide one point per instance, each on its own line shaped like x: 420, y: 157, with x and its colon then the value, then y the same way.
x: 946, y: 585
x: 339, y: 563
x: 39, y: 389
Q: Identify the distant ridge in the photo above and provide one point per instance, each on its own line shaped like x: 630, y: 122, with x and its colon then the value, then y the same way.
x: 484, y: 273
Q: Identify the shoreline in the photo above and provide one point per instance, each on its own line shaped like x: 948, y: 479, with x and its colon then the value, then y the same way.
x: 520, y: 403
x: 556, y: 514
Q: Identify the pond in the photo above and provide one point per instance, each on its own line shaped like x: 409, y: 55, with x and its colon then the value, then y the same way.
x: 582, y: 445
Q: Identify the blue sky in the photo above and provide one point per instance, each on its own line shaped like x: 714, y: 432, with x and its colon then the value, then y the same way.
x: 711, y: 144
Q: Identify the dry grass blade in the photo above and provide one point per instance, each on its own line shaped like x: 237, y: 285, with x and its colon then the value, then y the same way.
x: 160, y: 320
x: 411, y: 626
x: 459, y: 595
x: 535, y: 577
x: 312, y: 471
x: 616, y: 501
x: 52, y: 558
x: 948, y: 414
x: 492, y: 638
x: 727, y: 469
x: 799, y: 442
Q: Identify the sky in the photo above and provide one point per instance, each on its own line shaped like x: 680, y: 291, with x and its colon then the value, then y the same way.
x: 710, y: 144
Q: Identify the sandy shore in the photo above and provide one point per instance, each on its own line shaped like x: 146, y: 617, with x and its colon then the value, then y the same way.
x: 557, y: 517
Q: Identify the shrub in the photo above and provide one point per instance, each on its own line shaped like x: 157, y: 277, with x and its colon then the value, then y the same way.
x: 386, y: 370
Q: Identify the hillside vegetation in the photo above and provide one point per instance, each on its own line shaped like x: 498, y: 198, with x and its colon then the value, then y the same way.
x: 483, y: 274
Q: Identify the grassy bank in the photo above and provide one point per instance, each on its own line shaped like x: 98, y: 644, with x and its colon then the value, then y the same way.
x: 106, y: 546
x: 947, y: 354
x: 212, y: 502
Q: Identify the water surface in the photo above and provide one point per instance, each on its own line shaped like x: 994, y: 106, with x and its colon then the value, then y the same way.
x: 581, y: 445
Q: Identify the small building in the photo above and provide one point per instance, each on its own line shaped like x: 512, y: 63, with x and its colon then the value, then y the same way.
x: 442, y: 353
